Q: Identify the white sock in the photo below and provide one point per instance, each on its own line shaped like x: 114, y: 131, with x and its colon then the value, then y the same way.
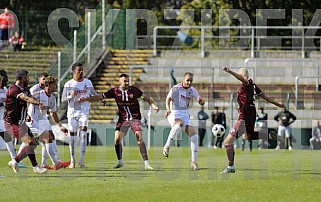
x: 146, y: 163
x: 83, y: 144
x: 44, y: 159
x: 120, y: 161
x: 174, y: 131
x: 55, y: 148
x: 72, y: 148
x: 10, y: 148
x: 194, y: 147
x: 51, y: 152
x: 21, y: 147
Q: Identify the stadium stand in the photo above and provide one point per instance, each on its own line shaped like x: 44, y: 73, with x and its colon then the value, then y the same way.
x: 107, y: 77
x: 35, y: 60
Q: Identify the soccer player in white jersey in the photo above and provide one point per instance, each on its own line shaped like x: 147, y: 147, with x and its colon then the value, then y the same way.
x: 40, y: 125
x: 77, y: 114
x: 3, y: 96
x: 178, y: 102
x: 40, y: 85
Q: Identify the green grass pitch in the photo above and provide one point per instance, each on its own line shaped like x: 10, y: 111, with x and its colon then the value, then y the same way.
x: 262, y: 175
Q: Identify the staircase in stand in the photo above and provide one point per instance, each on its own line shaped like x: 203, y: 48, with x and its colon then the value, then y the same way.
x: 107, y: 77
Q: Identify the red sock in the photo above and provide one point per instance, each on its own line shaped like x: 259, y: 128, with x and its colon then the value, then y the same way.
x: 230, y: 154
x: 23, y: 154
x: 143, y: 151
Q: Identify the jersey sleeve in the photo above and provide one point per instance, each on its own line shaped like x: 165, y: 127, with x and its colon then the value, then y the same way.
x: 195, y: 93
x: 92, y: 90
x: 109, y: 94
x: 15, y: 92
x: 170, y: 93
x: 257, y: 90
x: 65, y: 93
x: 53, y: 108
x: 137, y: 92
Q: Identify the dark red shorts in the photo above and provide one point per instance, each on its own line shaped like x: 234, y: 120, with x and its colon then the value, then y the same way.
x: 16, y: 130
x: 123, y: 126
x: 245, y: 123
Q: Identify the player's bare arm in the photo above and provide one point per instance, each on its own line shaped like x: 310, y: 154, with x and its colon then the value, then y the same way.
x: 168, y: 109
x: 151, y: 102
x: 30, y: 100
x: 236, y: 75
x: 54, y: 116
x: 90, y: 99
x: 268, y: 99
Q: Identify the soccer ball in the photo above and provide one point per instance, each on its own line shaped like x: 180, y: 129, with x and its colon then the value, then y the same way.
x: 218, y: 130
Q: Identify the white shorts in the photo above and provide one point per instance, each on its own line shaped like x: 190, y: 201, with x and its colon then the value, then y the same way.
x: 75, y: 122
x: 38, y: 128
x: 285, y: 131
x: 180, y: 114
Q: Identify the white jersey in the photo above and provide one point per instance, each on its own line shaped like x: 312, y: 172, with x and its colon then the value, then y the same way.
x: 82, y: 89
x: 3, y: 96
x: 35, y: 88
x: 49, y: 104
x: 182, y: 98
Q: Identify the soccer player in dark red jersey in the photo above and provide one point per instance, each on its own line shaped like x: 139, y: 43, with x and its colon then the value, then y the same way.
x: 18, y: 96
x: 126, y: 98
x: 247, y: 114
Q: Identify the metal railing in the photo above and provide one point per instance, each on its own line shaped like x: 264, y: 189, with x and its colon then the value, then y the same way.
x: 297, y: 78
x: 250, y: 37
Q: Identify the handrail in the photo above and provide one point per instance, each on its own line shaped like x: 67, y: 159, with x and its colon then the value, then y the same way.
x: 297, y: 87
x: 251, y: 36
x: 84, y: 50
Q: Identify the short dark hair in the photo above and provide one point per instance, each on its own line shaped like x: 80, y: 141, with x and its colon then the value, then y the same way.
x: 123, y: 75
x: 188, y: 73
x: 20, y: 73
x: 43, y: 74
x: 3, y: 72
x: 75, y: 65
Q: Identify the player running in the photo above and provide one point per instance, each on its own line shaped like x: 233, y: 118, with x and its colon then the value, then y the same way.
x: 40, y: 124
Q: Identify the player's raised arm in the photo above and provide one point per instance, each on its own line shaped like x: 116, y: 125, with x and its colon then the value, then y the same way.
x: 268, y: 99
x: 243, y: 78
x: 150, y: 102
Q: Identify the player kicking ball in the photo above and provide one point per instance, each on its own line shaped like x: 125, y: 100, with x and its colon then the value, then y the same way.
x: 177, y: 113
x: 247, y: 114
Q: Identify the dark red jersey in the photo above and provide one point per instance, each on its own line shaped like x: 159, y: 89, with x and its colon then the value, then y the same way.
x: 127, y: 102
x: 16, y: 109
x: 246, y: 97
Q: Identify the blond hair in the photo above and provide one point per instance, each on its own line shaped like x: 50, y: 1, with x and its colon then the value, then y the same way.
x: 243, y: 71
